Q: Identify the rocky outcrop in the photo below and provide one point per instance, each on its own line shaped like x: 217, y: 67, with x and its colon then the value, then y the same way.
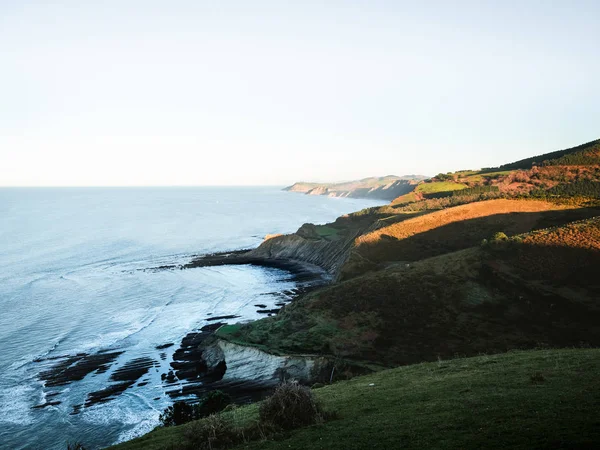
x: 305, y: 245
x: 253, y: 365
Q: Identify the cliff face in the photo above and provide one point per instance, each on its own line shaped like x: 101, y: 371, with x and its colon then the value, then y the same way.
x: 311, y: 245
x: 382, y: 188
x: 253, y: 365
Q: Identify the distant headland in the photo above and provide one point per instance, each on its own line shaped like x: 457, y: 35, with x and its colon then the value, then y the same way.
x: 381, y: 188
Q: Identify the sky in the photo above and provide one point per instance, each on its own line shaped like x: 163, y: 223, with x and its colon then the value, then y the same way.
x: 144, y: 92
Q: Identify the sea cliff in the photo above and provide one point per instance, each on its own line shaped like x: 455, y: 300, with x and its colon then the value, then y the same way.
x: 315, y: 252
x: 250, y: 364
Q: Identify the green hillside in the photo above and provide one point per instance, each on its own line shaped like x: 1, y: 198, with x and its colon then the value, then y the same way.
x: 483, y: 299
x: 521, y: 400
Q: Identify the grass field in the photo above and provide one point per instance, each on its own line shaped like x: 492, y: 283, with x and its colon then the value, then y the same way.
x: 327, y: 232
x: 439, y: 186
x: 519, y: 400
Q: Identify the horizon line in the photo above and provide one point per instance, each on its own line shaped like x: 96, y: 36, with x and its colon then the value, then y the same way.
x: 134, y: 186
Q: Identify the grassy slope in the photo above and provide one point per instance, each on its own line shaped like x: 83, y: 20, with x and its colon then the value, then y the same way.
x: 439, y: 186
x: 453, y: 229
x: 429, y: 188
x: 475, y: 300
x: 481, y: 402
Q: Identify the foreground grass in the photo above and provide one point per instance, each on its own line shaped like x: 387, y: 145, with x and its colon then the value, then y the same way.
x: 524, y: 399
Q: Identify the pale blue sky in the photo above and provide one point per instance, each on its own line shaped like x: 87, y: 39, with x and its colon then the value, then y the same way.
x: 235, y: 92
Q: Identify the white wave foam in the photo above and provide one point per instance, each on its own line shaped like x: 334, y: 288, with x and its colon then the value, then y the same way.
x: 134, y: 413
x: 145, y: 426
x: 15, y: 406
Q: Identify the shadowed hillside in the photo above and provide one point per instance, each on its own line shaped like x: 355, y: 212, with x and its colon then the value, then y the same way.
x: 454, y: 229
x: 438, y: 274
x: 482, y: 299
x: 446, y: 213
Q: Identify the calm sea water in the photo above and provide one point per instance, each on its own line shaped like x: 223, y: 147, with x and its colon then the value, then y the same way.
x: 72, y: 280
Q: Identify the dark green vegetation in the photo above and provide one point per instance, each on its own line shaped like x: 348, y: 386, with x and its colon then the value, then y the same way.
x: 585, y: 154
x: 526, y: 400
x: 291, y: 406
x: 182, y: 412
x: 584, y: 188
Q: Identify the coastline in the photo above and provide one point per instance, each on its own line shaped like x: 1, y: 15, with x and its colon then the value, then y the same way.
x: 301, y: 271
x: 204, y: 362
x: 200, y: 362
x: 94, y: 379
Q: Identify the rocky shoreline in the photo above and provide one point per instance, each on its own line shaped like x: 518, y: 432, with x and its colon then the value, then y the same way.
x: 302, y: 272
x: 204, y: 363
x: 200, y: 362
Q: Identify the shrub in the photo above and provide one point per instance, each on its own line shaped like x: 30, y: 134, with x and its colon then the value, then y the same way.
x: 182, y: 412
x: 177, y: 414
x: 499, y: 237
x: 444, y: 177
x: 212, y: 432
x: 291, y: 406
x: 213, y: 402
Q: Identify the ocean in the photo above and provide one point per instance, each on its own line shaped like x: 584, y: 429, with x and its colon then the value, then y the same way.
x: 78, y: 278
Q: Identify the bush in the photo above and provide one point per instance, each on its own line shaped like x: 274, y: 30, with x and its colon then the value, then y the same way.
x: 291, y: 406
x: 177, y: 414
x: 444, y: 177
x: 211, y: 432
x: 213, y: 402
x: 499, y: 237
x: 182, y: 412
